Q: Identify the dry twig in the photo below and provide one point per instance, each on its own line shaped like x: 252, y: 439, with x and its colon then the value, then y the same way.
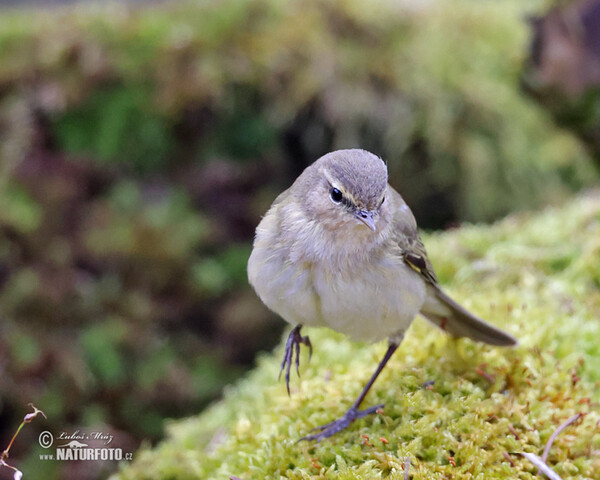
x: 556, y: 433
x: 541, y: 462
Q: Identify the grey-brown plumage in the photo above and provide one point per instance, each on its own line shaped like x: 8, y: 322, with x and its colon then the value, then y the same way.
x: 439, y: 308
x: 340, y: 248
x: 363, y: 177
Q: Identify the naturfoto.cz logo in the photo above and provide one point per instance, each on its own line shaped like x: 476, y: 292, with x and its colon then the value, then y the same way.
x: 77, y: 446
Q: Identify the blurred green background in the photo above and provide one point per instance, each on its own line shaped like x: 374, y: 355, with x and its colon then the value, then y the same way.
x: 140, y: 144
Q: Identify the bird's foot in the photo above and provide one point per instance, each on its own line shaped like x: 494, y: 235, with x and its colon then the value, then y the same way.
x: 340, y: 424
x: 292, y: 347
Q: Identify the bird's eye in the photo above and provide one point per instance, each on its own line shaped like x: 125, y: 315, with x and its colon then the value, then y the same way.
x: 382, y: 200
x: 336, y: 195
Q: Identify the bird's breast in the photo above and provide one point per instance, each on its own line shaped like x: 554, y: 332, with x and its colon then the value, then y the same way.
x: 353, y: 284
x: 371, y: 300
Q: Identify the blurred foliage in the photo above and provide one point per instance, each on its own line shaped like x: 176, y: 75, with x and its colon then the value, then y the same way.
x: 433, y: 90
x: 458, y: 409
x: 117, y: 125
x: 139, y: 147
x: 563, y: 67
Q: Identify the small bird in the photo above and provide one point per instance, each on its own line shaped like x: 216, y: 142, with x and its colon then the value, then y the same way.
x: 341, y: 249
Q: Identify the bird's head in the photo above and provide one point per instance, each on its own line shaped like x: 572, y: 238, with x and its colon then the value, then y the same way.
x: 345, y: 191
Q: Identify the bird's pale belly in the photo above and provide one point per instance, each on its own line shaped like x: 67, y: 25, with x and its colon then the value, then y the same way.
x: 379, y: 305
x: 382, y: 304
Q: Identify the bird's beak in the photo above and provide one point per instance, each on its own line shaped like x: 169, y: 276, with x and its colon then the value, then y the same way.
x: 366, y: 217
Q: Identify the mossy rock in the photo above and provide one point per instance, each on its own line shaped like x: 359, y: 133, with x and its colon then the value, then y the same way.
x: 455, y: 408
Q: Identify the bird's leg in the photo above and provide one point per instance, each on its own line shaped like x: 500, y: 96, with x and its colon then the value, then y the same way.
x: 353, y: 412
x: 293, y: 346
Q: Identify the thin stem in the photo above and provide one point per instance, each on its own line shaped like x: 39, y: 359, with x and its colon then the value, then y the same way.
x: 5, y: 452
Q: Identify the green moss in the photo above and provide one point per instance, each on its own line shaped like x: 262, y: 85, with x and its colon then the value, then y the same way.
x: 485, y: 402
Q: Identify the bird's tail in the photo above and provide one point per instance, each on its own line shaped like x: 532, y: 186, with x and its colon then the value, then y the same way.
x: 448, y: 315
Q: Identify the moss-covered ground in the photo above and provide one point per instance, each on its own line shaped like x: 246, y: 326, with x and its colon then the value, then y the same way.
x: 455, y: 408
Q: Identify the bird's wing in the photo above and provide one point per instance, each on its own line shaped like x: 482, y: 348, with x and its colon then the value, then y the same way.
x: 408, y: 239
x: 439, y: 308
x: 415, y: 257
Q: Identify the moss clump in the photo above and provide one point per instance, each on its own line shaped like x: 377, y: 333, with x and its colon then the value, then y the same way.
x: 537, y: 276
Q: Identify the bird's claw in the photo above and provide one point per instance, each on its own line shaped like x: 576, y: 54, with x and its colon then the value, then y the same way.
x: 292, y: 347
x: 340, y: 424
